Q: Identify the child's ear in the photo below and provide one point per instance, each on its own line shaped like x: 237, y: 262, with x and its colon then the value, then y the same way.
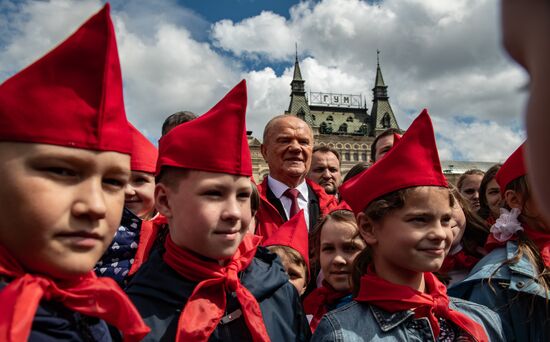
x: 161, y: 200
x: 513, y: 199
x: 366, y: 228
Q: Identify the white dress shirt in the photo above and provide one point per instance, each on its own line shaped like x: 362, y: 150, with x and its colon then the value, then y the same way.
x: 278, y: 189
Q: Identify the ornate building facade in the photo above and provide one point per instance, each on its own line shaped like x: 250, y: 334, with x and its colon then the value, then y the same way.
x: 341, y: 121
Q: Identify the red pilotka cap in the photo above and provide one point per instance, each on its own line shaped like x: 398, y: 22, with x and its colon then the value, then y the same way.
x: 72, y: 96
x: 293, y: 234
x: 144, y: 153
x: 412, y: 161
x: 214, y: 142
x: 513, y: 167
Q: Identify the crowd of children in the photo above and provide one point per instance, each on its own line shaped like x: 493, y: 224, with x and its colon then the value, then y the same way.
x: 105, y: 237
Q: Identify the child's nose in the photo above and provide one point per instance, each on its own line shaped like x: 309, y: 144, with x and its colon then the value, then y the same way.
x: 91, y: 201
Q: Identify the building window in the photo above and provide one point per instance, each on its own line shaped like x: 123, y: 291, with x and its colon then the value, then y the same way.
x: 350, y: 119
x: 330, y: 118
x: 346, y: 156
x: 386, y: 121
x: 343, y: 128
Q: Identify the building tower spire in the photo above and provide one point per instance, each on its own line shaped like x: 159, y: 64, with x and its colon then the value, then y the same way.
x: 382, y: 114
x: 298, y: 102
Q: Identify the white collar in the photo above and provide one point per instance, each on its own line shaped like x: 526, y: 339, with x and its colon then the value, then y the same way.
x: 278, y: 188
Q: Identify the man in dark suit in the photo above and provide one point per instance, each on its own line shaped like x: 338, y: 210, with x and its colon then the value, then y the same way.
x: 287, y: 148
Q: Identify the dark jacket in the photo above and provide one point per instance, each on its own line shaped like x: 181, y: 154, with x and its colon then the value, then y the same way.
x: 118, y: 258
x: 160, y: 294
x: 54, y: 322
x: 271, y: 213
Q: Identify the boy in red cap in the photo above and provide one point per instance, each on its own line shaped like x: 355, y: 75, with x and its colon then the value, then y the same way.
x: 403, y: 210
x: 210, y: 280
x: 136, y: 227
x: 290, y: 243
x: 63, y: 191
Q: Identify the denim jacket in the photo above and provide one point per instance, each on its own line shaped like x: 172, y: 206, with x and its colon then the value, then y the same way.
x: 364, y: 322
x: 513, y: 293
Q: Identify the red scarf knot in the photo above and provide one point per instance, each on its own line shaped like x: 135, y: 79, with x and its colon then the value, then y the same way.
x: 207, y: 304
x: 432, y: 304
x: 87, y: 294
x: 318, y: 301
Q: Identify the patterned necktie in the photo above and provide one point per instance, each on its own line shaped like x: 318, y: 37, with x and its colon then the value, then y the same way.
x: 293, y: 195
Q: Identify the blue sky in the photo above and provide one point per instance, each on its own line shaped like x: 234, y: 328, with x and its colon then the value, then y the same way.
x: 185, y: 55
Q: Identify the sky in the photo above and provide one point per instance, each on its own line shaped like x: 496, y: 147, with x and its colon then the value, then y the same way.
x: 444, y: 55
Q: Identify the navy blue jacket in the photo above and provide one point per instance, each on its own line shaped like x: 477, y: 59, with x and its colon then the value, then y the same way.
x: 54, y: 322
x: 160, y: 293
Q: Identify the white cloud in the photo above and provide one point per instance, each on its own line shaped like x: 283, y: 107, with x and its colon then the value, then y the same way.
x: 443, y: 55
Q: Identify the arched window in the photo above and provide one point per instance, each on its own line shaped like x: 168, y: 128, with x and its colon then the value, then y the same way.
x: 386, y: 121
x: 349, y: 119
x: 343, y: 128
x: 330, y: 118
x: 323, y: 127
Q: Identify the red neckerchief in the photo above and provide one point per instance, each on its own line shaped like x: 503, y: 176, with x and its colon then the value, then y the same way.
x: 493, y: 243
x: 147, y: 236
x: 393, y: 298
x: 206, y: 305
x: 542, y: 240
x: 490, y: 220
x: 318, y: 300
x: 87, y: 294
x: 458, y: 261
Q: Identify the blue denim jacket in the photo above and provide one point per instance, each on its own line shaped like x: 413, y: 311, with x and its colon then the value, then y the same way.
x: 364, y: 322
x: 513, y: 293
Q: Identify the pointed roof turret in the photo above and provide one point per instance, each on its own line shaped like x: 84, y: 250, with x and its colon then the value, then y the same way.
x: 379, y: 82
x: 297, y: 73
x: 382, y: 114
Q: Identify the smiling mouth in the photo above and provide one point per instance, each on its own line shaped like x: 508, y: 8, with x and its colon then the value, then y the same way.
x: 434, y: 251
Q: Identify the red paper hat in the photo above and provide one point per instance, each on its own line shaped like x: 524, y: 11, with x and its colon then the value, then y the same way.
x: 144, y: 153
x: 512, y: 168
x: 293, y: 234
x: 72, y: 96
x: 413, y: 161
x: 214, y: 142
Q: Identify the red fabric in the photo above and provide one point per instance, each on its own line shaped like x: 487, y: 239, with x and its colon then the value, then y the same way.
x: 316, y: 302
x: 144, y: 153
x: 147, y: 237
x: 542, y: 240
x: 88, y: 295
x: 293, y: 233
x: 432, y: 304
x: 458, y: 261
x: 268, y: 218
x: 222, y: 135
x: 512, y: 168
x: 493, y: 243
x: 413, y: 161
x: 72, y: 96
x: 206, y: 305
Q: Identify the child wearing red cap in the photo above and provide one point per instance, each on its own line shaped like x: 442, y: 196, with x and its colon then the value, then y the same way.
x: 136, y: 227
x: 290, y: 243
x: 403, y: 210
x: 335, y: 242
x: 62, y: 192
x: 513, y: 278
x: 209, y: 280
